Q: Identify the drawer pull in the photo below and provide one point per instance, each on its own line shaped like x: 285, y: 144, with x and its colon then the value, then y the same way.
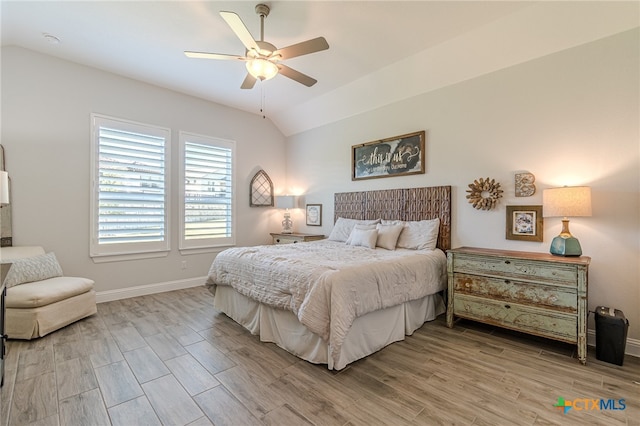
x: 507, y: 281
x: 508, y: 262
x: 507, y: 306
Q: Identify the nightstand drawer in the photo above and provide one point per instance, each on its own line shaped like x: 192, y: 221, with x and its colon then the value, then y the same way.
x: 563, y: 299
x: 528, y: 270
x: 287, y: 240
x: 540, y: 322
x: 280, y: 238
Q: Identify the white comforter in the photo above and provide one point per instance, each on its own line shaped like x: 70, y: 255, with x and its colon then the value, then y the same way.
x: 328, y: 284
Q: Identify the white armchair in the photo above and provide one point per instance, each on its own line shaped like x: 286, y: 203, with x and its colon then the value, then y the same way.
x: 39, y: 299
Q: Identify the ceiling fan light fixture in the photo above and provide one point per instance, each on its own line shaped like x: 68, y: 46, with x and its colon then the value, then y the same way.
x: 262, y: 59
x: 262, y: 69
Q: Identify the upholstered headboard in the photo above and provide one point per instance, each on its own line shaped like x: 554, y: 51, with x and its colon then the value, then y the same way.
x: 399, y: 204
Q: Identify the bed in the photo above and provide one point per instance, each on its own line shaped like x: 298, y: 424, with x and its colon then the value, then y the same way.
x: 338, y: 300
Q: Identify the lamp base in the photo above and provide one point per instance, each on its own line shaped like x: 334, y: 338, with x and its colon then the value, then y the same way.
x: 287, y: 224
x: 565, y: 246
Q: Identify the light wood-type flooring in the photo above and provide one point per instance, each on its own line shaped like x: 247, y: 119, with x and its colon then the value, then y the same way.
x: 172, y: 359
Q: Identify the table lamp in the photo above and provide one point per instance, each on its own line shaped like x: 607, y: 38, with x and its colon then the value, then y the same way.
x: 566, y: 202
x: 286, y: 202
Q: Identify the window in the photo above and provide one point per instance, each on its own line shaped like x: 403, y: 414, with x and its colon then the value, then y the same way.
x: 207, y: 202
x: 129, y: 199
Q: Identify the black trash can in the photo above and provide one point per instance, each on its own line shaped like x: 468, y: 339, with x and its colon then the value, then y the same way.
x: 611, y: 335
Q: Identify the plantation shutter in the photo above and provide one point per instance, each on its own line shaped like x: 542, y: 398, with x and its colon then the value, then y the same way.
x: 207, y: 207
x: 131, y: 187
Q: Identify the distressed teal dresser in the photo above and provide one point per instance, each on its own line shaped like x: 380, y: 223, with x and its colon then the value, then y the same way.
x: 535, y: 293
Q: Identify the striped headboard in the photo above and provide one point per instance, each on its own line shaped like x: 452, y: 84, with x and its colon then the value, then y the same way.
x: 399, y: 204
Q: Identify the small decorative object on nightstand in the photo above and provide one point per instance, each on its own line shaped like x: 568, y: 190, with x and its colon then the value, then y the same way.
x: 284, y: 238
x: 534, y: 293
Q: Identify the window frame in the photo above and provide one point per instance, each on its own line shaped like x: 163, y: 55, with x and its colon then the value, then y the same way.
x: 204, y: 244
x: 127, y: 251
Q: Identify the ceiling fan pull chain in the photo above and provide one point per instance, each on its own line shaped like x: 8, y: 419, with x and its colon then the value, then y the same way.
x: 262, y: 101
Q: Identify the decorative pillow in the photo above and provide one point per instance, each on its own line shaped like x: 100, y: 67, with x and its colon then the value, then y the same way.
x: 391, y: 222
x: 360, y: 227
x: 388, y: 235
x: 420, y: 235
x: 343, y: 227
x: 364, y: 237
x: 30, y: 269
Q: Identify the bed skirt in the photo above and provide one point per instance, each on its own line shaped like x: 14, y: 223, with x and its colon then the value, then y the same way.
x: 368, y: 334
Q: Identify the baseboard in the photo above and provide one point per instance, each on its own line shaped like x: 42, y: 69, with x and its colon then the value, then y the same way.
x: 632, y: 347
x: 142, y: 290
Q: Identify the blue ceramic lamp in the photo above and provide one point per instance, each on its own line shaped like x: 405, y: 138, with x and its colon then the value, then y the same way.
x: 565, y: 202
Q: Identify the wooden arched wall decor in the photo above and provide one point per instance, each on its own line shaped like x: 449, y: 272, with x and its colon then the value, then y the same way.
x: 261, y: 190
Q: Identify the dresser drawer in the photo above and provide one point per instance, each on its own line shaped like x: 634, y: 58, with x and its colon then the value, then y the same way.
x: 539, y: 322
x: 562, y: 299
x: 528, y: 270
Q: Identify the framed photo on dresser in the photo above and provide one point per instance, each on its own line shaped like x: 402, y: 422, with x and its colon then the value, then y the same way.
x: 524, y: 223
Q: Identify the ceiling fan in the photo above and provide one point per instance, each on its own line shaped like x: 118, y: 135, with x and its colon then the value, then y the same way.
x: 263, y: 58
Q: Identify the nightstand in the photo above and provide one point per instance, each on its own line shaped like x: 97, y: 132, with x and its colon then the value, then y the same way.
x: 279, y: 238
x: 534, y: 293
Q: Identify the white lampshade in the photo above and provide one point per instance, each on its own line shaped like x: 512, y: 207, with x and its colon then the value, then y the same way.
x: 568, y: 201
x: 4, y: 188
x: 285, y: 201
x: 262, y: 69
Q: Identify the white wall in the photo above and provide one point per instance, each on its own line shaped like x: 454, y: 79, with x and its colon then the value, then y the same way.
x: 46, y: 104
x: 570, y: 118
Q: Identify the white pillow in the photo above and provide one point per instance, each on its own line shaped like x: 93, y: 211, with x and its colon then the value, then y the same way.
x: 361, y: 227
x: 343, y: 227
x: 420, y: 235
x: 30, y: 269
x: 391, y: 222
x: 388, y: 235
x: 364, y: 237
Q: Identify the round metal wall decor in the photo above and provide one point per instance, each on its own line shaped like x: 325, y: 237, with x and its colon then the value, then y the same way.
x: 484, y: 193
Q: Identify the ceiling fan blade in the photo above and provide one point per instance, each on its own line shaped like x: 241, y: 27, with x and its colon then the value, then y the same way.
x: 240, y: 29
x: 296, y: 75
x: 206, y: 55
x: 249, y: 82
x: 303, y: 48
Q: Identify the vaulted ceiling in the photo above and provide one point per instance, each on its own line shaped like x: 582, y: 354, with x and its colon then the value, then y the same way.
x: 380, y: 51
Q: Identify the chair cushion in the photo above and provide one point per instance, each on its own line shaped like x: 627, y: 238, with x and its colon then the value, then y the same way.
x: 42, y: 293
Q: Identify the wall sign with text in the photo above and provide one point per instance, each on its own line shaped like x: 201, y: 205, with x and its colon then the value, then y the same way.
x: 397, y: 156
